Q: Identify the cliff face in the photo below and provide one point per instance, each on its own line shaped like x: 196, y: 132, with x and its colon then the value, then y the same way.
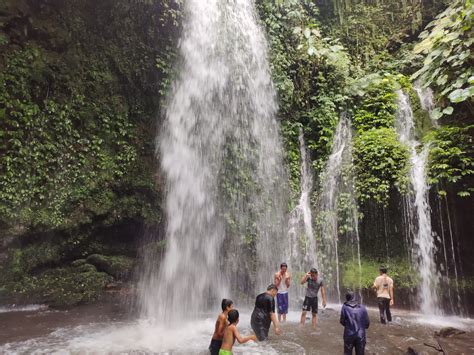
x: 81, y: 85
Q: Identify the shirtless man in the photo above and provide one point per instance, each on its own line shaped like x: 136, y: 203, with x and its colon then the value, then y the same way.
x: 282, y: 281
x: 231, y: 333
x: 221, y: 324
x: 383, y: 285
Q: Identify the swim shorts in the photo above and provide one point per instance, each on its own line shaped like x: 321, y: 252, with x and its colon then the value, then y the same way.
x: 215, y: 346
x: 310, y: 303
x: 225, y: 352
x: 282, y: 301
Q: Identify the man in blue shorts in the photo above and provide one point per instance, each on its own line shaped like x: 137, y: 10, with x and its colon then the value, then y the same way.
x: 282, y: 281
x: 311, y: 300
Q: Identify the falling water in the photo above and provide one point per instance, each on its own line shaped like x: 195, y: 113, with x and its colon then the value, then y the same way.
x: 337, y: 185
x: 220, y: 153
x: 426, y: 100
x: 302, y: 247
x: 418, y: 209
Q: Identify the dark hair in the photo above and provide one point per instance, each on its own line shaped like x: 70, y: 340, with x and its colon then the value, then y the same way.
x: 349, y: 295
x: 233, y: 316
x: 226, y: 303
x: 283, y: 264
x: 383, y: 269
x: 313, y: 270
x: 272, y: 287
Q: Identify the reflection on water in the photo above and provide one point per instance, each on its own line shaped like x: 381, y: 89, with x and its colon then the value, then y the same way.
x: 99, y: 329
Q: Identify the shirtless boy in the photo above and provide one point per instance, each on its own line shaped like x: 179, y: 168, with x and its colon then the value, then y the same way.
x: 221, y: 324
x: 282, y: 282
x: 231, y: 333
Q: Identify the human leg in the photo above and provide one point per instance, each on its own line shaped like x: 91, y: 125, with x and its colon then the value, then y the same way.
x: 359, y: 344
x: 303, y: 317
x: 348, y: 345
x: 380, y: 303
x: 387, y: 310
x: 314, y: 320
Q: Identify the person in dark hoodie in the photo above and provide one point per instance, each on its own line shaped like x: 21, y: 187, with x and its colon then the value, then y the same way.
x: 355, y: 319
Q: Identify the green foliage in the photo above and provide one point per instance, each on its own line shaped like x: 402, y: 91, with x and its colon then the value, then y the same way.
x: 310, y: 73
x: 400, y: 271
x: 451, y: 157
x: 378, y: 107
x: 381, y: 164
x: 446, y: 52
x: 77, y: 99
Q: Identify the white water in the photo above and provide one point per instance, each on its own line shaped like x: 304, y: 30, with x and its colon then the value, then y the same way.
x: 419, y: 211
x: 220, y: 152
x: 336, y: 196
x: 427, y: 100
x: 302, y: 242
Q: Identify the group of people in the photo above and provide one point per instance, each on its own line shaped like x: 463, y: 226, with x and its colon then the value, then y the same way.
x: 354, y: 317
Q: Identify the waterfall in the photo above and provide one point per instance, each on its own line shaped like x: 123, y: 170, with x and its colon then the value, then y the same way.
x: 418, y: 209
x: 337, y: 203
x: 302, y: 242
x: 220, y: 153
x: 426, y: 98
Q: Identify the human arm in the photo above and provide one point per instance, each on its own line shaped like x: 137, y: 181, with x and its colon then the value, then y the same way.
x: 277, y: 279
x: 288, y: 281
x: 323, y: 294
x: 366, y: 318
x: 242, y: 339
x: 221, y: 325
x: 391, y: 294
x: 274, y: 319
x: 342, y: 319
x: 305, y: 278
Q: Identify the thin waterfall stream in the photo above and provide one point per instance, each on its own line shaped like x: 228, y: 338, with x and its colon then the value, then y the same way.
x: 337, y: 193
x: 419, y: 211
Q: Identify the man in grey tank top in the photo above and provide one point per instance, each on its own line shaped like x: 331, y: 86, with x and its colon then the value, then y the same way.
x: 311, y: 300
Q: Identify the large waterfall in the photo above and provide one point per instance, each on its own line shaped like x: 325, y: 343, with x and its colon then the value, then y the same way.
x: 418, y: 210
x: 220, y: 152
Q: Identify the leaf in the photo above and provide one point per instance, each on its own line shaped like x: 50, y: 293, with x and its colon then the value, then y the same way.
x: 436, y: 114
x: 448, y: 110
x: 458, y: 95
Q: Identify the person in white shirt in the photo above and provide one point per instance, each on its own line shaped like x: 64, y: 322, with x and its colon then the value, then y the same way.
x: 282, y: 281
x: 383, y: 285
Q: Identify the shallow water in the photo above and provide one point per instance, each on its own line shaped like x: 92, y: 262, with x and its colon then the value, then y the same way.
x: 107, y: 329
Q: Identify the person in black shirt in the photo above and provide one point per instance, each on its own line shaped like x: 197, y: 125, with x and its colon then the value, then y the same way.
x: 264, y: 313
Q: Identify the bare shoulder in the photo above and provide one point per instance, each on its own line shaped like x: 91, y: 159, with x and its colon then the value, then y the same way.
x: 222, y: 318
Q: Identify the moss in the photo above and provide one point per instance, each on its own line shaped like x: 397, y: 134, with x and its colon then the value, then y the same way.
x: 60, y: 287
x: 119, y: 267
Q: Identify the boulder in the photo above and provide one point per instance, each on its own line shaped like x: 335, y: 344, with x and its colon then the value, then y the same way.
x: 449, y: 332
x: 120, y: 267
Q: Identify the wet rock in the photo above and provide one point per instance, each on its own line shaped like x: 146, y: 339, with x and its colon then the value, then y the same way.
x: 411, y: 351
x: 449, y: 332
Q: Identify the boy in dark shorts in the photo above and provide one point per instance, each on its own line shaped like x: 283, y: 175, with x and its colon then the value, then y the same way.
x: 232, y: 333
x: 311, y: 299
x: 221, y: 324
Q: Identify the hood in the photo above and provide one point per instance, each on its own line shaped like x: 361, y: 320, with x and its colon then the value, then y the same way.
x: 352, y: 303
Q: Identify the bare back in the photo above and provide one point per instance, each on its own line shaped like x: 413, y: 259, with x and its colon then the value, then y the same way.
x: 229, y: 339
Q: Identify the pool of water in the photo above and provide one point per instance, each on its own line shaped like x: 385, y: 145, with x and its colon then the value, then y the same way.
x: 109, y: 329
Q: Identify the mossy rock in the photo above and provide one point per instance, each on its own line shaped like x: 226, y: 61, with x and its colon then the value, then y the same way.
x: 78, y: 262
x: 86, y: 268
x: 62, y: 287
x: 119, y: 266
